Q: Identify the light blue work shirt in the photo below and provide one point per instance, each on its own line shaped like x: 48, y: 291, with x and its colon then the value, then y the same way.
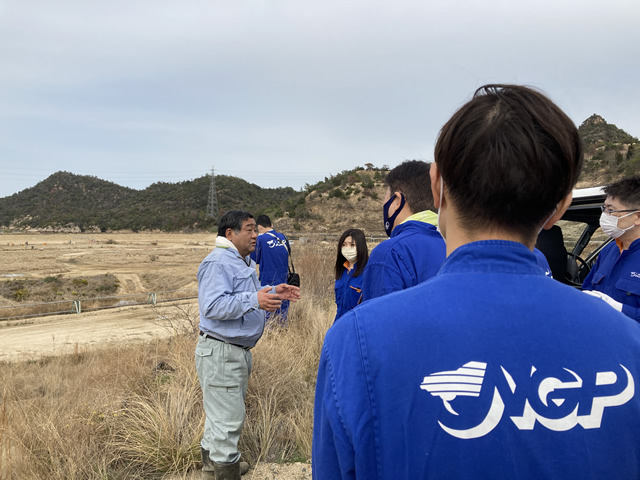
x: 228, y: 297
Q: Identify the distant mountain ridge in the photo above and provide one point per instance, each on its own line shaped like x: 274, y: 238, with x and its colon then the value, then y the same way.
x: 68, y: 202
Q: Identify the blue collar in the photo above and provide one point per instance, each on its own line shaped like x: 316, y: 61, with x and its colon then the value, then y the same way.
x: 492, y: 256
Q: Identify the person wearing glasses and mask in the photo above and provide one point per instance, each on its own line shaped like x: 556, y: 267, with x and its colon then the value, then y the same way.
x: 352, y: 257
x: 615, y: 277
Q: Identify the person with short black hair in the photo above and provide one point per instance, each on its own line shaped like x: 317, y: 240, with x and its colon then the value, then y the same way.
x: 272, y: 257
x: 615, y: 277
x: 351, y: 261
x: 490, y: 369
x: 415, y: 250
x: 232, y: 309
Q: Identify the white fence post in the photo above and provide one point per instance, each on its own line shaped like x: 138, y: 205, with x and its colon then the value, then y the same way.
x: 77, y: 306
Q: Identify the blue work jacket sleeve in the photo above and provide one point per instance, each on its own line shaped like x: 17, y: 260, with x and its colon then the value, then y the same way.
x: 216, y: 296
x: 380, y: 278
x: 342, y: 411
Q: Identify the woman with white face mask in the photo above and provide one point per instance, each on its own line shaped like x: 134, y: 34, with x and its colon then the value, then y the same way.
x: 616, y: 275
x: 351, y: 259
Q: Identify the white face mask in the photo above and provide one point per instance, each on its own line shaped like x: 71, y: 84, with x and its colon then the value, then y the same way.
x: 609, y: 224
x: 350, y: 253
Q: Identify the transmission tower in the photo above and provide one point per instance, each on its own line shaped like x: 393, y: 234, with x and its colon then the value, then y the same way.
x: 212, y: 206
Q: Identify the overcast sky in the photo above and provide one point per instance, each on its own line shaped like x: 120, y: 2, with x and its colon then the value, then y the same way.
x: 285, y: 92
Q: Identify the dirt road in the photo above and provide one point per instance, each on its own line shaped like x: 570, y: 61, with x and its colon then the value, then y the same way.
x: 61, y: 334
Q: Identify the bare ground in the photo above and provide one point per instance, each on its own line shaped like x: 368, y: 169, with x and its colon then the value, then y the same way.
x: 141, y: 262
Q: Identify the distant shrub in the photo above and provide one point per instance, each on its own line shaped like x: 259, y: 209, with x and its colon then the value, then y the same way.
x: 368, y: 184
x: 21, y: 294
x: 336, y: 193
x: 79, y: 282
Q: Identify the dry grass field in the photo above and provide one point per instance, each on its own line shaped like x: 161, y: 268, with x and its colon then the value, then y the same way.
x: 113, y: 393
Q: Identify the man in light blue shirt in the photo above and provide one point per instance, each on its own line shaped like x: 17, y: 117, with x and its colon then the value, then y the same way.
x: 232, y: 318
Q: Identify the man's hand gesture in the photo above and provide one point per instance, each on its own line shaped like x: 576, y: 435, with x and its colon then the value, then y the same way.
x: 288, y: 292
x: 271, y: 301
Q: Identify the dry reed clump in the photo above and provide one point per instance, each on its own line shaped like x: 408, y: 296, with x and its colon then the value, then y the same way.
x: 315, y: 263
x: 64, y: 414
x: 136, y: 411
x: 179, y: 318
x: 281, y: 390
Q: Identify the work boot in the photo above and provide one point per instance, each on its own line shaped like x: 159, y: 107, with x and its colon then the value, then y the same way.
x: 208, y: 471
x: 227, y: 471
x: 208, y: 466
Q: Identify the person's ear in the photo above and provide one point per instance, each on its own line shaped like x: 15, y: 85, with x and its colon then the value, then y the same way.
x: 560, y: 209
x: 397, y: 199
x: 228, y: 233
x: 436, y: 184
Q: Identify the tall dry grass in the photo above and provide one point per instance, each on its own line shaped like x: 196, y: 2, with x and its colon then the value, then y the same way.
x: 136, y: 411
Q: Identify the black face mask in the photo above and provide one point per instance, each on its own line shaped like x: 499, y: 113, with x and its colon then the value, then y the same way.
x: 388, y: 221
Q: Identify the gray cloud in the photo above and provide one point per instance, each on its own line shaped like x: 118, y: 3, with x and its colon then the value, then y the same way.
x: 282, y: 92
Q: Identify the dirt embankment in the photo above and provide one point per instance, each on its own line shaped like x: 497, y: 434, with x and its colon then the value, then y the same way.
x: 142, y: 263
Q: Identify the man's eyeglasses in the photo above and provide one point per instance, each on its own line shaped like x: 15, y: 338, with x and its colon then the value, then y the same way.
x: 610, y: 210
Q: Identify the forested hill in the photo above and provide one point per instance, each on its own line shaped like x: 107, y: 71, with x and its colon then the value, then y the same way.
x: 66, y: 201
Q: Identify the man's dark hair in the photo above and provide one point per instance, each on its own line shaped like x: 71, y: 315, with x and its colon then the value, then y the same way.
x: 233, y: 219
x: 263, y: 221
x: 626, y: 191
x: 507, y: 157
x: 361, y: 246
x: 411, y: 178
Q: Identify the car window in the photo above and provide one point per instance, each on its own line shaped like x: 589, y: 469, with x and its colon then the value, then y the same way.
x: 573, y: 244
